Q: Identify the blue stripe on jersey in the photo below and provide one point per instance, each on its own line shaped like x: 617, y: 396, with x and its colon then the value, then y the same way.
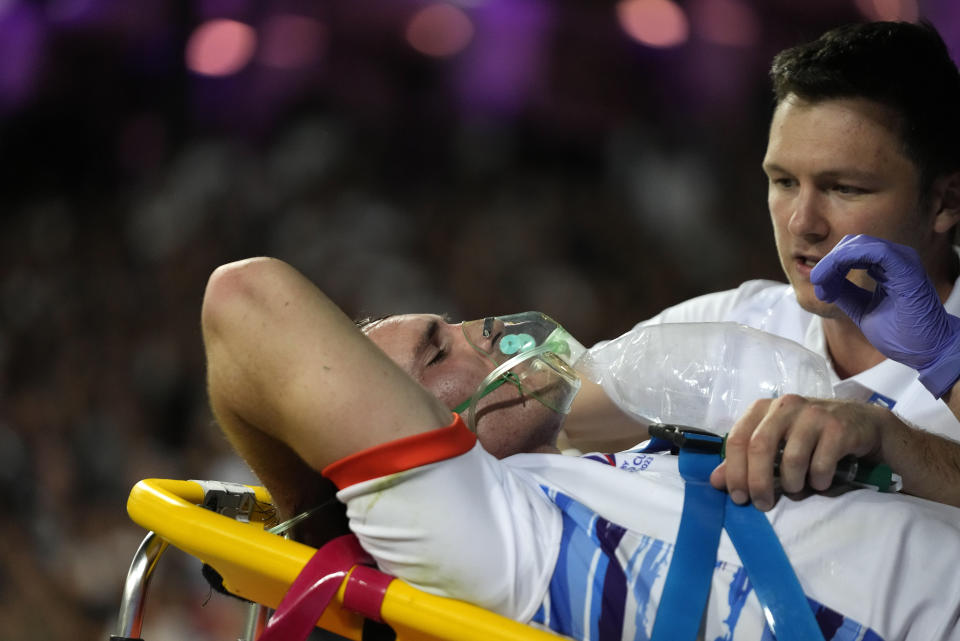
x: 653, y: 557
x: 581, y: 567
x: 542, y: 614
x: 736, y: 598
x: 605, y: 576
x: 836, y: 627
x: 610, y: 626
x: 828, y: 620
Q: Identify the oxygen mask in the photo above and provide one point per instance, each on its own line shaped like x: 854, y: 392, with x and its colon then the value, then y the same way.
x: 529, y: 351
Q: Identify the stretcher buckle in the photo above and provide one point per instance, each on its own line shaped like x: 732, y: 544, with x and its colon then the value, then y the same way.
x: 688, y: 438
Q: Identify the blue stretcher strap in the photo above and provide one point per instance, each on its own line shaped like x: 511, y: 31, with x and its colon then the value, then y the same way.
x: 784, y: 603
x: 706, y: 511
x: 687, y: 587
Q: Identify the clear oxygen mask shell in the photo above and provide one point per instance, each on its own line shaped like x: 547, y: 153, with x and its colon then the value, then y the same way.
x: 530, y: 351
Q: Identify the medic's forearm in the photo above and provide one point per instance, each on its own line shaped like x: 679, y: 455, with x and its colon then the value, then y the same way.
x: 595, y: 423
x: 928, y: 464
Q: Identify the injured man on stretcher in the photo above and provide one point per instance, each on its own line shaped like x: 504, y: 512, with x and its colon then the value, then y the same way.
x: 491, y: 514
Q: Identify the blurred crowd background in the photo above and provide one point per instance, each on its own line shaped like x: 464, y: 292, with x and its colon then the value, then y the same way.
x: 595, y: 161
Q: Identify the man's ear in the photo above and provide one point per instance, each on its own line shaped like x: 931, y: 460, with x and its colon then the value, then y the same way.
x: 946, y: 190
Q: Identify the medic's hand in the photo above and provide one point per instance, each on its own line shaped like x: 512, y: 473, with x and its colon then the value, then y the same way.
x: 903, y: 318
x: 814, y: 434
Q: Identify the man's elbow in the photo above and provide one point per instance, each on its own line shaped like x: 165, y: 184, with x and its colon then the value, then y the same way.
x: 233, y: 289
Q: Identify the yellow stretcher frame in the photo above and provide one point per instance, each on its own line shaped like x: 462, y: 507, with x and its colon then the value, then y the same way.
x: 260, y: 566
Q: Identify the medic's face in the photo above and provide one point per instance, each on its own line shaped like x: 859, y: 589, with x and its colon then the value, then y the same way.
x: 837, y: 167
x: 437, y: 355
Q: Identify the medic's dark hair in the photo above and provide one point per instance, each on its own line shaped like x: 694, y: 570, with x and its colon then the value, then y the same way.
x: 902, y: 65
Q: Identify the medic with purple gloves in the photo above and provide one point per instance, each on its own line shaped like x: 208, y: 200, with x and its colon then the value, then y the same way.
x: 902, y: 317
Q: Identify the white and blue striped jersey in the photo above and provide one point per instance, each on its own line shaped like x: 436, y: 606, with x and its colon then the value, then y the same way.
x: 607, y: 578
x: 582, y: 545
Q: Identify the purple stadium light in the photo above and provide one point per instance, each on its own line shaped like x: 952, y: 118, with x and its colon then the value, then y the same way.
x: 22, y: 36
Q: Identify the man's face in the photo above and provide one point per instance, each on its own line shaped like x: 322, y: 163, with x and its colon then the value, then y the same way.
x: 437, y: 355
x: 837, y: 167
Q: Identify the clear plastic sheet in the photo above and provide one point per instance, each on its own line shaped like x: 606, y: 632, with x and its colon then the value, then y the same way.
x: 703, y: 375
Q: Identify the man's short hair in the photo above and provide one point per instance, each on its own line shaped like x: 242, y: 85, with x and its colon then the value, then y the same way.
x: 365, y: 323
x: 901, y: 65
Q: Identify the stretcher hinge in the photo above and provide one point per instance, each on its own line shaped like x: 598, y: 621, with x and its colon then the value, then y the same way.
x: 232, y: 500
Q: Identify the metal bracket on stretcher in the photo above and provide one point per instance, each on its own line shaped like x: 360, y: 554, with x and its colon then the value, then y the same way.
x: 260, y: 567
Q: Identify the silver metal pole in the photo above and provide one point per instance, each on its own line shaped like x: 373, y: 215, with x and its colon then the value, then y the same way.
x: 256, y: 621
x: 130, y: 620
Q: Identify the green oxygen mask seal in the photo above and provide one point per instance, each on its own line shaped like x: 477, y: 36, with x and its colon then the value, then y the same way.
x: 529, y: 350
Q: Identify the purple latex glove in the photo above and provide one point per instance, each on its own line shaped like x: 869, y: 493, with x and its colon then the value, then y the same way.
x: 903, y: 318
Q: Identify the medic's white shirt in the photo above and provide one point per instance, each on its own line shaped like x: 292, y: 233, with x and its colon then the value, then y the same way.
x: 772, y: 307
x: 583, y: 546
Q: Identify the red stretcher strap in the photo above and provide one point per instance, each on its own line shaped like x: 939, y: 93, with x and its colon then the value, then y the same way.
x: 365, y: 590
x: 317, y: 584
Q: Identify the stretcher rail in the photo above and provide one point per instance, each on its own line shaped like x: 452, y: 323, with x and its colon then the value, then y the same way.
x: 260, y: 566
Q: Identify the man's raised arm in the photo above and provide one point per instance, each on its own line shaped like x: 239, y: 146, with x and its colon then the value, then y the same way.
x: 293, y: 383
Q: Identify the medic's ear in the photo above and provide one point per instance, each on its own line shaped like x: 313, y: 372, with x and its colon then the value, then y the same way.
x: 946, y: 191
